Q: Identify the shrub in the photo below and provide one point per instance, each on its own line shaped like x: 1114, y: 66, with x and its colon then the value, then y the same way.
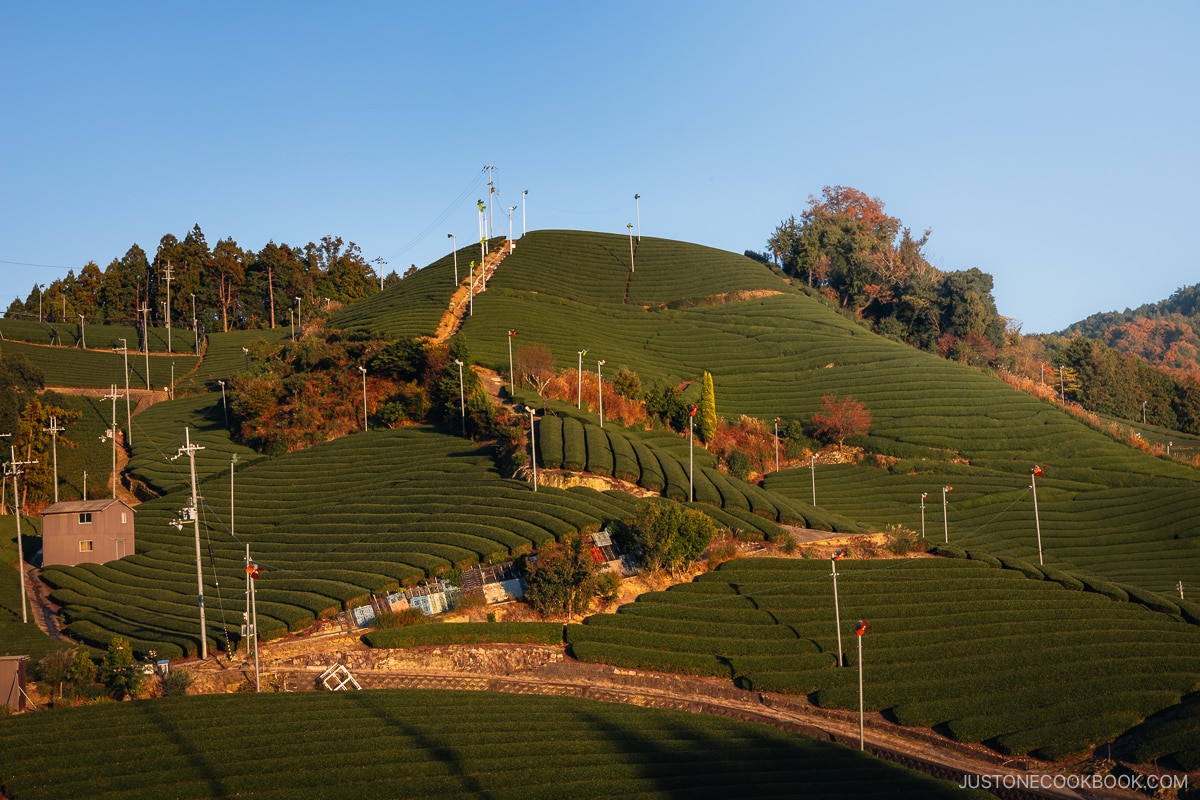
x: 177, y: 682
x: 401, y: 619
x: 739, y: 464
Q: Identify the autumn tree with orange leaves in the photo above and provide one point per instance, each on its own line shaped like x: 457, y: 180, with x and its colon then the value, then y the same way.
x: 840, y: 418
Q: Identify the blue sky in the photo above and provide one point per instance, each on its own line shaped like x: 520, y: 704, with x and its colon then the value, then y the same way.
x: 1053, y: 145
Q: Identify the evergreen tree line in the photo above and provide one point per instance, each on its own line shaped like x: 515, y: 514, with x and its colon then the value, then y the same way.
x: 226, y: 286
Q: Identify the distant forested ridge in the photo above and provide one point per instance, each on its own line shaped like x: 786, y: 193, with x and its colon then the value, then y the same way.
x: 1165, y: 334
x: 223, y: 287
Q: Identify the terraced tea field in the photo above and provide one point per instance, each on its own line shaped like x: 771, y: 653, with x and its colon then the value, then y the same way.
x: 331, y: 525
x: 1112, y: 509
x: 159, y: 433
x: 982, y: 653
x: 65, y: 366
x: 420, y: 744
x: 567, y: 440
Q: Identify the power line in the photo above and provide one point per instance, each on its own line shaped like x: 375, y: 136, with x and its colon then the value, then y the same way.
x: 455, y: 205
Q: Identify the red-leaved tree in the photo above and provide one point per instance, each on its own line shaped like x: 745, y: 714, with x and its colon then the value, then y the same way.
x: 841, y: 418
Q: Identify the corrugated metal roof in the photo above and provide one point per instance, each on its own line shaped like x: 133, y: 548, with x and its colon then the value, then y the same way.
x: 76, y: 506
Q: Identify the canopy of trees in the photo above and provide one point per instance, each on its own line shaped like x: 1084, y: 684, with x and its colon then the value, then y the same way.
x: 847, y: 247
x: 231, y: 287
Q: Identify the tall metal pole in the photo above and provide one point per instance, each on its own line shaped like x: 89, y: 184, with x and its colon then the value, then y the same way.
x: 82, y: 334
x: 532, y: 445
x: 146, y: 341
x: 224, y: 405
x: 491, y: 201
x: 629, y: 227
x: 777, y: 444
x: 691, y: 451
x: 837, y: 612
x: 579, y: 381
x: 15, y: 470
x: 510, y: 239
x: 190, y: 450
x: 168, y: 304
x: 924, y: 497
x: 254, y: 623
x: 54, y: 430
x: 512, y: 386
x: 112, y: 433
x: 812, y: 465
x: 195, y: 327
x: 128, y: 415
x: 462, y: 397
x: 860, y: 630
x: 363, y: 370
x: 1033, y: 474
x: 454, y: 245
x: 600, y: 389
x: 299, y: 326
x: 945, y: 516
x: 638, y: 208
x: 524, y: 194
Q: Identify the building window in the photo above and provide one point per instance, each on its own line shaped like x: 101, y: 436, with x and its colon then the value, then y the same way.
x: 85, y: 518
x: 85, y: 546
x: 123, y: 519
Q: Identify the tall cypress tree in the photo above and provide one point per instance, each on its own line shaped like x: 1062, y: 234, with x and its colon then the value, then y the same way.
x: 708, y: 409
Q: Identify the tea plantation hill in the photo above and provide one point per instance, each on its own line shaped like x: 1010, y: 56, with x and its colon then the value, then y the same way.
x: 1106, y: 508
x: 369, y: 511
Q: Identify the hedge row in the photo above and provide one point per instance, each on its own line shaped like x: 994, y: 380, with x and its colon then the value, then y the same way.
x: 548, y: 633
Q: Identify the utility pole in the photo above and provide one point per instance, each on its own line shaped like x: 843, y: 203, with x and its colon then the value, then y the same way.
x: 224, y: 405
x: 167, y: 272
x: 579, y: 381
x: 381, y: 264
x: 190, y: 514
x: 454, y: 246
x: 363, y: 370
x: 512, y: 381
x: 532, y: 445
x: 945, y: 517
x: 128, y: 415
x: 112, y: 434
x: 600, y: 389
x: 691, y: 462
x: 812, y: 465
x: 629, y: 227
x: 491, y: 201
x: 82, y: 334
x: 195, y: 327
x: 14, y: 469
x: 511, y: 243
x: 251, y: 627
x: 54, y: 430
x: 1033, y: 476
x: 462, y: 397
x: 145, y: 309
x: 924, y: 497
x: 638, y: 208
x: 524, y: 194
x: 299, y: 327
x: 471, y: 306
x: 837, y: 612
x: 860, y: 631
x: 777, y: 444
